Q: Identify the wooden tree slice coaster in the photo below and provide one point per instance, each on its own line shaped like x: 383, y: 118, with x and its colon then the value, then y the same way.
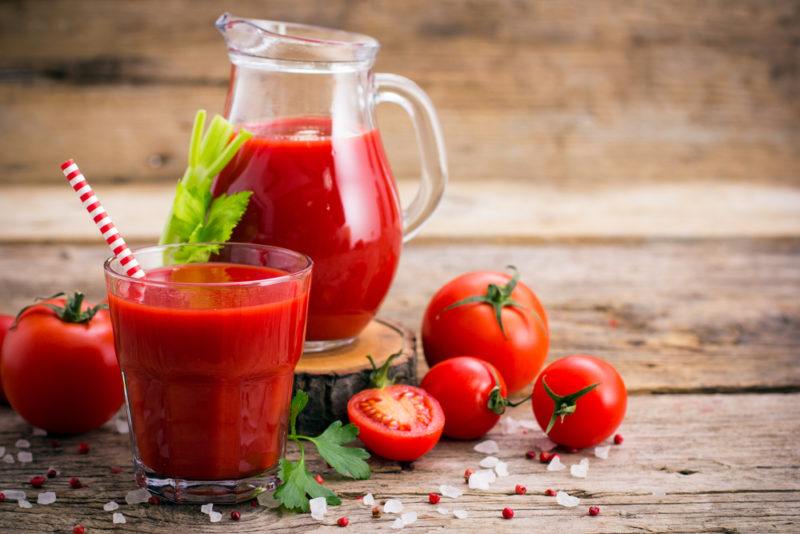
x: 331, y: 378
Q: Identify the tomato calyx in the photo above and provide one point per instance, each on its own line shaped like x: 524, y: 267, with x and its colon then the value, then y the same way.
x: 71, y: 312
x: 497, y: 403
x: 498, y: 297
x: 564, y: 404
x: 379, y: 377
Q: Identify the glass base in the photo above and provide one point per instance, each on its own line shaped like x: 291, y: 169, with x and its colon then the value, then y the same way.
x: 326, y: 344
x: 178, y: 490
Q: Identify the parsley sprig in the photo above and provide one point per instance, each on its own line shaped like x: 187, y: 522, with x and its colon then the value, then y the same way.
x: 297, y: 483
x: 196, y: 217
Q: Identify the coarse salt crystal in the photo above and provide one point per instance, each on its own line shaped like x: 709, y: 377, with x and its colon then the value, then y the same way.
x: 501, y: 469
x: 207, y: 508
x: 39, y: 431
x: 481, y: 479
x: 24, y: 457
x: 544, y: 444
x: 487, y: 447
x: 118, y: 518
x: 602, y: 452
x: 318, y: 507
x: 14, y: 495
x: 489, y: 462
x: 23, y: 503
x: 443, y: 510
x: 8, y: 459
x: 565, y: 499
x: 555, y: 464
x: 460, y: 514
x: 580, y: 470
x: 215, y: 517
x: 408, y: 518
x: 121, y: 426
x: 451, y: 491
x: 110, y: 506
x: 137, y: 496
x: 47, y: 497
x: 393, y: 506
x: 398, y: 523
x: 368, y: 500
x: 22, y: 444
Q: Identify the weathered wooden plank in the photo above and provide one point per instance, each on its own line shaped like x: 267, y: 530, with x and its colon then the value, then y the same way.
x: 500, y: 210
x: 675, y: 316
x: 693, y: 463
x: 572, y: 93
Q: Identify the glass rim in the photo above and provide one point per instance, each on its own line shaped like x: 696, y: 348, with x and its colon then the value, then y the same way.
x: 301, y: 272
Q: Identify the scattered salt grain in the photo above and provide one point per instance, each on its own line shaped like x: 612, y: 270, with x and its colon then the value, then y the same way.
x: 39, y: 431
x: 602, y: 452
x: 565, y: 499
x: 481, y: 479
x: 8, y: 459
x: 214, y: 517
x: 580, y: 470
x: 501, y: 469
x: 14, y: 495
x: 489, y: 462
x: 460, y: 514
x: 544, y: 444
x: 398, y: 524
x: 368, y: 500
x: 118, y: 518
x: 110, y: 506
x: 207, y: 508
x: 555, y: 464
x: 121, y: 425
x: 268, y: 499
x: 408, y: 518
x: 451, y: 491
x: 47, y: 497
x: 393, y: 506
x: 22, y: 444
x: 318, y: 507
x: 443, y: 510
x: 487, y: 447
x: 24, y: 457
x: 659, y: 493
x: 23, y: 503
x: 137, y: 496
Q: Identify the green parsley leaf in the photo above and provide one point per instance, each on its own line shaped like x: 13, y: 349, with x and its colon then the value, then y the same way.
x: 298, y: 486
x: 196, y: 217
x: 299, y: 402
x: 348, y: 461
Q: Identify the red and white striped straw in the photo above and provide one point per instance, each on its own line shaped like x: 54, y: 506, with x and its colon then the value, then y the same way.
x: 101, y: 218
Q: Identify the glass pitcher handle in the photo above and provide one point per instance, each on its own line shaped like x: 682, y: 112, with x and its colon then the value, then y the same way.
x: 399, y: 90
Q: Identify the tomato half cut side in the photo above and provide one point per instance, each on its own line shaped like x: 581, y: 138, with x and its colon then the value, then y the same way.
x: 398, y: 422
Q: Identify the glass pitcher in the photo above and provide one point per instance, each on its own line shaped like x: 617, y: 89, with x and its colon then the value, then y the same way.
x: 320, y: 179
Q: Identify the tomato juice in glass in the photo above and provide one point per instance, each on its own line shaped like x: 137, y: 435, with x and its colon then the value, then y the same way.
x: 331, y: 197
x: 207, y: 352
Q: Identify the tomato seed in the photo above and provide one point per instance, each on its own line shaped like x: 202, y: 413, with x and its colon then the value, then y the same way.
x: 468, y: 473
x: 75, y: 483
x: 236, y: 515
x: 343, y: 522
x: 52, y: 473
x: 519, y: 489
x: 594, y: 510
x: 618, y: 439
x: 83, y: 448
x: 550, y: 492
x: 319, y: 479
x: 38, y: 481
x: 78, y: 529
x: 434, y: 498
x: 508, y: 513
x: 530, y: 455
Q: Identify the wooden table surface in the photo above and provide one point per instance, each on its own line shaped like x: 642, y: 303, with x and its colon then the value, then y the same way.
x: 637, y: 161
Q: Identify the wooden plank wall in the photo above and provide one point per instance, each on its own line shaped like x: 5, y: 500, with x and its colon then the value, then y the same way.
x: 568, y: 94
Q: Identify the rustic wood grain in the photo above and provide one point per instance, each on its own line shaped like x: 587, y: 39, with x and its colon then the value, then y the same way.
x: 556, y: 92
x: 673, y: 316
x: 499, y: 210
x: 676, y: 472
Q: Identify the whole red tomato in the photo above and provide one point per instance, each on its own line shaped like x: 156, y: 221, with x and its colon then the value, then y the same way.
x: 472, y: 394
x: 59, y: 369
x: 5, y: 322
x: 579, y: 401
x: 398, y: 422
x: 490, y: 315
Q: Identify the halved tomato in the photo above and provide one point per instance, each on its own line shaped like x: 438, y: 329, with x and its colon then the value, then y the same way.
x: 398, y: 422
